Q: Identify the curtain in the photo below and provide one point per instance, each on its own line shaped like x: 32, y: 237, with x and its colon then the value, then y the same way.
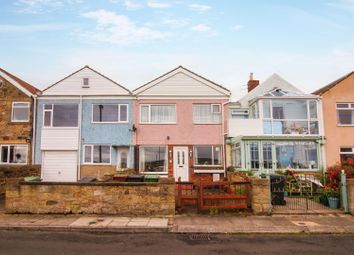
x: 163, y: 113
x: 202, y: 113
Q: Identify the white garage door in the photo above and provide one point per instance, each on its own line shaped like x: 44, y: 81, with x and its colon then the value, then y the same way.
x: 59, y: 166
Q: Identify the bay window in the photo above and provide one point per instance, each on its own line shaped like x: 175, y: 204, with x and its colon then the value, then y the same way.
x: 345, y: 114
x: 290, y: 116
x: 206, y: 113
x: 97, y: 154
x: 153, y: 159
x: 158, y: 114
x: 13, y: 154
x: 20, y: 112
x: 109, y: 113
x: 60, y: 115
x: 205, y: 155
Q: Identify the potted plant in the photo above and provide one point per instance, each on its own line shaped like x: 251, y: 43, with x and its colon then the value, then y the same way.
x: 332, y: 195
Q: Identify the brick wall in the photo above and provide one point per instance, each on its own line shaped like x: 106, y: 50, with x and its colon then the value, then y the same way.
x: 128, y: 199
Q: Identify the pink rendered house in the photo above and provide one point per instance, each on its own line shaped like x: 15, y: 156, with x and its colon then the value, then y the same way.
x: 179, y: 126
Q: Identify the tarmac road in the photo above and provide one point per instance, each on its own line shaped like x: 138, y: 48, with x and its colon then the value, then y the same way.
x: 52, y: 243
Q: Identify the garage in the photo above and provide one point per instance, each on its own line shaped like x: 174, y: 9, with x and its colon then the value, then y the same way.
x: 59, y: 166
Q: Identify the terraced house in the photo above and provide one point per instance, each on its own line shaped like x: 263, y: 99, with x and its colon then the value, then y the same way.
x: 84, y: 127
x: 338, y: 109
x: 17, y: 112
x: 179, y: 126
x: 276, y: 127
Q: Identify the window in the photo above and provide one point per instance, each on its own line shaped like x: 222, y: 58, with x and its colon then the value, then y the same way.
x: 346, y: 153
x: 296, y: 155
x: 13, y: 154
x: 109, y: 113
x: 158, y: 114
x: 60, y: 115
x: 85, y: 82
x: 237, y: 156
x: 207, y: 155
x: 97, y: 154
x: 267, y: 155
x: 207, y: 113
x: 238, y: 114
x: 345, y: 114
x: 290, y: 116
x: 153, y: 159
x: 20, y: 112
x: 254, y: 155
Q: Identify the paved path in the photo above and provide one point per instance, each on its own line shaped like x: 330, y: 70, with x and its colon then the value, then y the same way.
x: 44, y: 243
x: 265, y: 224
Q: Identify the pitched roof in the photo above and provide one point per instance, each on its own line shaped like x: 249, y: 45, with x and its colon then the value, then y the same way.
x: 86, y: 66
x: 324, y: 89
x: 175, y: 69
x: 23, y: 84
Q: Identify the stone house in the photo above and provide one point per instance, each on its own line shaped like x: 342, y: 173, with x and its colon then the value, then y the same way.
x: 275, y: 127
x: 338, y: 116
x: 85, y: 127
x: 179, y: 126
x: 17, y: 115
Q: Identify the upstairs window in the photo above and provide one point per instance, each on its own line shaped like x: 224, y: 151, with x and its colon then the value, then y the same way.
x: 20, y: 112
x: 158, y: 114
x: 345, y: 114
x: 206, y: 113
x: 60, y: 115
x: 109, y: 113
x: 85, y: 82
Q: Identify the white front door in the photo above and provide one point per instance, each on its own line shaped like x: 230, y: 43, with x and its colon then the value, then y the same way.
x: 180, y: 163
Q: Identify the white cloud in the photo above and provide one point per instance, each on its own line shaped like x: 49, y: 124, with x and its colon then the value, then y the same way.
x: 237, y: 27
x: 158, y: 5
x: 40, y: 6
x: 129, y: 4
x: 119, y: 29
x: 176, y: 22
x: 199, y: 7
x: 31, y: 28
x: 347, y: 5
x: 201, y: 28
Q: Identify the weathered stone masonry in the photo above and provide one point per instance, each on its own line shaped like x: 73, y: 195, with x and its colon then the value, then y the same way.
x: 128, y: 199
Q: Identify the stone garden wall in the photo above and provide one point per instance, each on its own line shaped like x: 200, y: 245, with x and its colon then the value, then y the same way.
x: 127, y: 199
x: 350, y: 188
x: 261, y: 196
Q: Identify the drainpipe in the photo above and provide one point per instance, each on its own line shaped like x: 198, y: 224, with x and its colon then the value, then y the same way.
x: 79, y: 150
x: 34, y: 117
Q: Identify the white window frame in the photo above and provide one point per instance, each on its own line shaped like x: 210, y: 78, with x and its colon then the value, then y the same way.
x: 8, y: 157
x: 212, y: 155
x: 51, y: 116
x: 149, y: 116
x: 13, y: 107
x: 91, y: 161
x: 211, y: 112
x: 83, y: 82
x: 166, y: 160
x: 111, y: 122
x: 350, y: 107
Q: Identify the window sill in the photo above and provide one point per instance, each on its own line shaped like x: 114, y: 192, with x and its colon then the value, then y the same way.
x: 19, y: 122
x: 157, y: 173
x: 345, y: 125
x: 158, y: 123
x: 211, y: 171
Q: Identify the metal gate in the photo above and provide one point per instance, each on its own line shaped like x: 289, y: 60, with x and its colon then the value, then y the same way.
x: 298, y: 194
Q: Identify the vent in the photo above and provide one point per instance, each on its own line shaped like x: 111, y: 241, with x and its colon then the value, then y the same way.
x: 85, y: 82
x: 200, y: 237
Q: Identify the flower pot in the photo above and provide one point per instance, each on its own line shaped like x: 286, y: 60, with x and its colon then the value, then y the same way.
x: 333, y: 202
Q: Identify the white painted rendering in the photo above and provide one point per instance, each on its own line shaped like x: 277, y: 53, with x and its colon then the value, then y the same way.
x: 59, y: 166
x: 180, y: 163
x: 181, y: 82
x: 60, y: 139
x: 274, y: 81
x: 245, y: 127
x: 98, y: 85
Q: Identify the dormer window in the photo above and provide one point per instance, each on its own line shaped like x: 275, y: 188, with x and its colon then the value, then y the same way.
x: 85, y: 83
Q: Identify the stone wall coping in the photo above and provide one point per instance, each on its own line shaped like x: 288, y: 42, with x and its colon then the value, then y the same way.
x: 126, y: 184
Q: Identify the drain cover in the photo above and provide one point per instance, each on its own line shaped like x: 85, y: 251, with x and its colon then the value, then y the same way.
x: 200, y: 237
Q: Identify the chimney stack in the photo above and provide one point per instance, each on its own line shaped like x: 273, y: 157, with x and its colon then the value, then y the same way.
x: 251, y: 84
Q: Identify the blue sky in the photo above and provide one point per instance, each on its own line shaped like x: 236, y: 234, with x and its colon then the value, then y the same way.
x: 308, y: 42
